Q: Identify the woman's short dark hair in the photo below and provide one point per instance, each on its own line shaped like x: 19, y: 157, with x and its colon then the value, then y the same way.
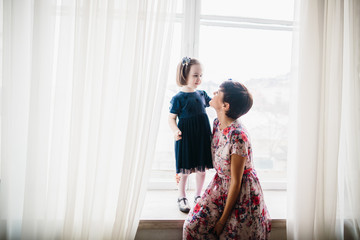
x: 238, y: 97
x: 183, y: 71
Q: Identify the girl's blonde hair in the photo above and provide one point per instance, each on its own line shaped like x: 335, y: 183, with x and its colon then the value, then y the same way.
x: 183, y: 70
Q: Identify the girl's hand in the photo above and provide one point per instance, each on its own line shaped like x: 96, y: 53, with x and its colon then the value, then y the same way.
x: 177, y: 178
x: 219, y: 227
x: 177, y: 135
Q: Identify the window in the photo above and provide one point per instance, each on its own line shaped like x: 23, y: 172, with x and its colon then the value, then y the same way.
x: 245, y: 42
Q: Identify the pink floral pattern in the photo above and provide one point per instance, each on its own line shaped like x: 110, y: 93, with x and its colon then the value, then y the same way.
x: 250, y: 218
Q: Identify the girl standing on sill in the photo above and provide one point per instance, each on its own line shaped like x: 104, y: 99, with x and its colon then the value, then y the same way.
x: 233, y: 205
x: 192, y: 134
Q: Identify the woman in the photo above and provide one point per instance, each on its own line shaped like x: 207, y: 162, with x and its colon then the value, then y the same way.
x: 232, y: 206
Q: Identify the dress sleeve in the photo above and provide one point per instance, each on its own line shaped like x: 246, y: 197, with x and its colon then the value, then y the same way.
x: 207, y: 99
x: 175, y: 105
x: 239, y: 143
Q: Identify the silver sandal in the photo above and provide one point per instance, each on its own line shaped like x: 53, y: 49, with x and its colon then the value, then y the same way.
x: 183, y: 205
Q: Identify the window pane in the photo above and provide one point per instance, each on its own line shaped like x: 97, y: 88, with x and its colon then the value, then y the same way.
x: 260, y: 59
x: 244, y: 53
x: 266, y: 9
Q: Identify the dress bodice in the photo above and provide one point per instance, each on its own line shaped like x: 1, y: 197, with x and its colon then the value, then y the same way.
x: 231, y: 140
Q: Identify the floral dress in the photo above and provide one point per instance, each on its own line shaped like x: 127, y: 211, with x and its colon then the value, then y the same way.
x: 250, y: 218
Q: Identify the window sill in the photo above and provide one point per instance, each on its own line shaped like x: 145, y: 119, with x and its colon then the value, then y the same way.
x: 160, y: 209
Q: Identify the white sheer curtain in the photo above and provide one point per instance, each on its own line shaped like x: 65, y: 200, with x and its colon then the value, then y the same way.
x: 82, y: 89
x: 324, y: 166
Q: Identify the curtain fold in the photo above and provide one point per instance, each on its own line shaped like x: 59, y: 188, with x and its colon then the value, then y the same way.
x: 324, y: 150
x: 82, y: 88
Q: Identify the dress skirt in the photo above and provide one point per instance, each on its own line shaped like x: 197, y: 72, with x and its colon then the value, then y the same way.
x: 193, y: 151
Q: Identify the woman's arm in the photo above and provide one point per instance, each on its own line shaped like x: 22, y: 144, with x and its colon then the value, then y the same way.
x: 174, y: 127
x: 237, y: 169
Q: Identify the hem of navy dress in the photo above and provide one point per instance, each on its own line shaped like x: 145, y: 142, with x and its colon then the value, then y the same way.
x: 193, y: 170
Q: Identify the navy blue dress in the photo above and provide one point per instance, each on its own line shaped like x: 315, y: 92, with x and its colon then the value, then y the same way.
x: 193, y: 151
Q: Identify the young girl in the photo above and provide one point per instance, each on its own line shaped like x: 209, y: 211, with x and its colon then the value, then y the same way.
x: 192, y: 133
x: 233, y: 205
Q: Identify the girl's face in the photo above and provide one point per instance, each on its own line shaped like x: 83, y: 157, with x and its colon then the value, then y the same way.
x: 217, y: 102
x: 195, y: 75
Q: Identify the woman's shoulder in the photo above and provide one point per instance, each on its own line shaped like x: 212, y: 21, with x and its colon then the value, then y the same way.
x: 238, y: 131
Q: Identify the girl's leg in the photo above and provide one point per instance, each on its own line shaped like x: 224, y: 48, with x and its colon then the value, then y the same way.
x: 182, y: 200
x: 182, y: 185
x: 200, y: 178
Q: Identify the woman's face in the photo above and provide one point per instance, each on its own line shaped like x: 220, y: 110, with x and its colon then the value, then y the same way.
x: 218, y: 100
